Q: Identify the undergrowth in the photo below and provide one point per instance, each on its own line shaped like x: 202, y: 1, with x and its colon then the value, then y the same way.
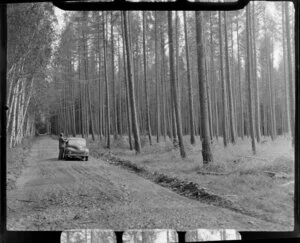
x: 236, y: 175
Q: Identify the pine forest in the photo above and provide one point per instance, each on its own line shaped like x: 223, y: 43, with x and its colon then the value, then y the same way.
x: 203, y: 96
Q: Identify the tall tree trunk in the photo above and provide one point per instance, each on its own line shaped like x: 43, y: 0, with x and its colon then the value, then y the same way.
x: 86, y: 75
x: 115, y: 128
x: 119, y: 104
x: 146, y: 82
x: 285, y: 76
x: 191, y: 107
x: 208, y: 78
x: 290, y: 72
x: 240, y: 82
x: 206, y: 149
x: 248, y: 78
x: 214, y: 100
x: 223, y: 83
x: 256, y: 88
x: 126, y: 89
x: 229, y: 85
x: 157, y: 80
x: 99, y: 76
x: 135, y: 126
x: 175, y: 87
x: 163, y: 83
x: 106, y: 83
x: 273, y: 95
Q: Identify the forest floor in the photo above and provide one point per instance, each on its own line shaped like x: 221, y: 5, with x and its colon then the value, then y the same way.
x: 58, y: 195
x: 260, y: 185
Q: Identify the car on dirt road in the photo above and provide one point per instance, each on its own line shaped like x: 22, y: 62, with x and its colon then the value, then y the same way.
x: 76, y: 149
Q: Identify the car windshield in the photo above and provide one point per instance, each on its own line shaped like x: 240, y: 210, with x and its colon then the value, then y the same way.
x: 77, y: 141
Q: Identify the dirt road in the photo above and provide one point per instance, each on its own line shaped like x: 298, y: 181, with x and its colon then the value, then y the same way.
x: 58, y: 195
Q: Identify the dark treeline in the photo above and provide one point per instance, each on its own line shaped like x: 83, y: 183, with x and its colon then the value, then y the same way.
x: 216, y: 75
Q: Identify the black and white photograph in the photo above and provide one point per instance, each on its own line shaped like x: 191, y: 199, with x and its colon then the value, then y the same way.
x: 128, y: 120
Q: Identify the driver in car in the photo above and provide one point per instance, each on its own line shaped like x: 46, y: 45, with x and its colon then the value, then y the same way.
x: 61, y: 144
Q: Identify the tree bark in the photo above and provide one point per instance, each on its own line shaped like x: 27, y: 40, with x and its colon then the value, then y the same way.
x: 191, y: 107
x: 240, y: 83
x: 146, y: 82
x: 173, y: 84
x: 290, y: 72
x: 248, y: 78
x: 229, y: 85
x: 135, y: 126
x: 128, y: 112
x: 115, y: 128
x: 157, y: 80
x: 285, y: 76
x: 163, y: 83
x: 206, y: 149
x: 223, y: 84
x: 106, y: 84
x: 256, y: 88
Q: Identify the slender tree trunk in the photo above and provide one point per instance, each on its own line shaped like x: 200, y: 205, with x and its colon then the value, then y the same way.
x: 157, y: 80
x: 214, y: 115
x: 135, y: 126
x: 256, y: 88
x: 285, y: 76
x: 206, y: 149
x: 14, y: 113
x: 146, y: 82
x: 99, y: 76
x: 126, y: 89
x: 119, y: 100
x: 234, y: 78
x: 248, y: 78
x: 175, y: 87
x: 191, y: 107
x: 290, y: 72
x: 273, y: 95
x: 86, y: 76
x: 106, y: 83
x: 163, y: 84
x: 115, y: 128
x: 216, y: 111
x: 229, y: 85
x: 177, y: 31
x: 223, y: 84
x: 240, y: 83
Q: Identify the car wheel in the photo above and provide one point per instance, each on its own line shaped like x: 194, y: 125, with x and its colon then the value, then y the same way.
x: 86, y: 158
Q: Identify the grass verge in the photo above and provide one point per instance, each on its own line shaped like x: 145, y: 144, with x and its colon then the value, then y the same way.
x: 16, y: 161
x: 259, y: 185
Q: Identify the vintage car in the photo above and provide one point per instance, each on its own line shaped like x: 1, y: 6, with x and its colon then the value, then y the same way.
x: 76, y: 149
